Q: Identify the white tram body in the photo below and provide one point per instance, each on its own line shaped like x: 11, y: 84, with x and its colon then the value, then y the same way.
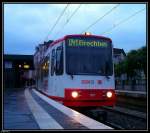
x: 77, y: 70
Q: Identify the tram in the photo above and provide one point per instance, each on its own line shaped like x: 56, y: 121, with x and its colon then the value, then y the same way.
x: 77, y: 70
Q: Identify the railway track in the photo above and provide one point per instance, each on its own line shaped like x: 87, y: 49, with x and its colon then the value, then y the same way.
x: 119, y: 118
x: 126, y: 111
x: 132, y: 100
x: 126, y: 118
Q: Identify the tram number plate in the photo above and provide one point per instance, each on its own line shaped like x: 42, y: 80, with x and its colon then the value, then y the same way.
x: 92, y: 94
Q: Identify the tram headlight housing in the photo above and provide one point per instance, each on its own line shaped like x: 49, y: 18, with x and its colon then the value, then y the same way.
x: 109, y: 94
x: 74, y: 94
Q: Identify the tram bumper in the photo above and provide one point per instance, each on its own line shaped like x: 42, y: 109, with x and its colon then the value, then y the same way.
x: 89, y: 97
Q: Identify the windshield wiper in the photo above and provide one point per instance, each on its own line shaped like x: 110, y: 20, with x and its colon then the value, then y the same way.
x: 106, y: 70
x: 71, y: 74
x: 107, y: 76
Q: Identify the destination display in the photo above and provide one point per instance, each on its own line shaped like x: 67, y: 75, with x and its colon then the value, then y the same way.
x: 86, y: 43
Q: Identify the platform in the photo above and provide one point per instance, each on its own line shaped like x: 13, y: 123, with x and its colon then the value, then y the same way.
x: 136, y: 94
x: 16, y: 112
x: 46, y: 113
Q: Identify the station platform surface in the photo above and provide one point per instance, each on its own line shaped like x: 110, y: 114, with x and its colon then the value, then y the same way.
x: 28, y: 109
x: 16, y: 112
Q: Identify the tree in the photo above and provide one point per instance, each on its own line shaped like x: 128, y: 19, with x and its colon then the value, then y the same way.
x: 131, y: 63
x: 135, y: 61
x: 142, y: 59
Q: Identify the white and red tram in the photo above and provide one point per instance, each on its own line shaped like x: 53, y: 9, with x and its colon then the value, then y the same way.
x: 77, y: 70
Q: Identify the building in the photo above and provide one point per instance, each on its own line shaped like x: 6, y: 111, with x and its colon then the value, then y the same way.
x: 39, y: 60
x: 18, y: 70
x: 119, y: 55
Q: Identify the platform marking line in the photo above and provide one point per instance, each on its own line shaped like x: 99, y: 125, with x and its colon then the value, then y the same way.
x: 84, y: 120
x: 44, y: 120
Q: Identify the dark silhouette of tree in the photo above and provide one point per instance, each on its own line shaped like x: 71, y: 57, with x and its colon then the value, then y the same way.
x: 136, y: 61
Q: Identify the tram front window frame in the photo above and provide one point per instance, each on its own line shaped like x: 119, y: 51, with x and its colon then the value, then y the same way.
x: 82, y: 60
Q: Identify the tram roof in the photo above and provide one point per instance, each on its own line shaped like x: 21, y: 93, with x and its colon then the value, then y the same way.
x: 77, y: 35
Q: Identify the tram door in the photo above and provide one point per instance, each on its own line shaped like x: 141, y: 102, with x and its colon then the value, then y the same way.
x: 52, y: 73
x: 56, y: 71
x: 59, y: 71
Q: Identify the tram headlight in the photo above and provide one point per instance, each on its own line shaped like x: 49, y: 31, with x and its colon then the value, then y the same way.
x: 109, y: 94
x: 74, y: 94
x: 87, y: 33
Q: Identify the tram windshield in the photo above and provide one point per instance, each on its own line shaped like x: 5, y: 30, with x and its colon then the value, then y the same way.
x: 88, y: 56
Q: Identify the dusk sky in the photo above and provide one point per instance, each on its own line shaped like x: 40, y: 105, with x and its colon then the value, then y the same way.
x: 27, y: 25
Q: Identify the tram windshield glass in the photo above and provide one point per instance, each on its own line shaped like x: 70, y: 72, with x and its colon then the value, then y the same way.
x: 88, y: 56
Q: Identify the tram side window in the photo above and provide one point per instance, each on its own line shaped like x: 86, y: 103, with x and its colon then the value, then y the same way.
x: 46, y: 67
x: 53, y: 62
x: 41, y: 73
x: 59, y: 60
